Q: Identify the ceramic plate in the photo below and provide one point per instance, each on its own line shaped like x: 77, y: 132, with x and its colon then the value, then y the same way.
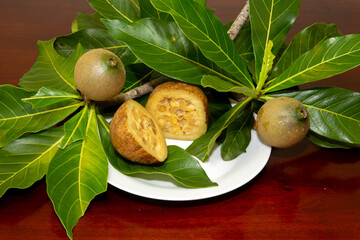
x: 228, y: 174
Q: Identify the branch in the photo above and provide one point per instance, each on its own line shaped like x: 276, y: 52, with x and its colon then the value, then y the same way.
x: 239, y: 21
x: 134, y: 93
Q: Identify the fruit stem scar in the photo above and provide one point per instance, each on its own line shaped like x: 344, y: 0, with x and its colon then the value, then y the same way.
x: 304, y: 113
x: 112, y: 62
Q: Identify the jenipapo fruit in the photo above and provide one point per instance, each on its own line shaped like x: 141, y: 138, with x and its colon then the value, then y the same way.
x: 282, y: 122
x: 99, y: 74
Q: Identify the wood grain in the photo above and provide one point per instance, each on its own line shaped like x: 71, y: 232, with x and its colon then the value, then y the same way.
x: 303, y: 193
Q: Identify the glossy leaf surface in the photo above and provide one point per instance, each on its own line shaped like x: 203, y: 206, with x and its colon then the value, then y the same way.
x: 224, y: 86
x: 201, y: 26
x: 302, y: 42
x: 202, y: 146
x: 270, y: 20
x: 117, y: 9
x: 26, y: 160
x: 147, y: 10
x: 179, y: 164
x: 76, y: 175
x: 18, y: 117
x: 243, y: 43
x: 328, y: 143
x: 75, y: 128
x: 332, y: 56
x: 48, y: 96
x: 89, y: 39
x: 163, y: 47
x: 84, y: 20
x: 51, y: 70
x: 238, y: 136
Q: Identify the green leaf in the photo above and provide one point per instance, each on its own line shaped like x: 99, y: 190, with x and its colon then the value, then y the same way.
x: 84, y: 20
x: 302, y: 42
x: 238, y: 136
x: 219, y: 103
x: 179, y: 164
x: 270, y: 20
x: 18, y: 117
x: 201, y: 26
x: 117, y: 9
x: 332, y: 56
x: 328, y: 143
x: 202, y: 146
x: 48, y: 96
x: 163, y: 47
x: 76, y: 175
x: 136, y: 75
x: 51, y: 70
x: 89, y: 39
x: 224, y: 86
x: 243, y: 43
x: 75, y: 128
x: 26, y: 160
x: 266, y: 64
x: 147, y: 10
x: 334, y: 112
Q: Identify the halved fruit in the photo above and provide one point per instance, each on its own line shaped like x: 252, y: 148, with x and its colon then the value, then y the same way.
x: 136, y: 135
x: 180, y: 109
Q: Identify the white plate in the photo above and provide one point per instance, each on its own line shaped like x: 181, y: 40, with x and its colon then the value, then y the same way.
x: 228, y: 174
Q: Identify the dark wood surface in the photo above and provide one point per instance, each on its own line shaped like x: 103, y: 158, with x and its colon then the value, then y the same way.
x: 304, y: 192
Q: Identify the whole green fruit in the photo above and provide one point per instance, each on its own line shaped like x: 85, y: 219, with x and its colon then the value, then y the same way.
x: 99, y: 74
x: 282, y: 122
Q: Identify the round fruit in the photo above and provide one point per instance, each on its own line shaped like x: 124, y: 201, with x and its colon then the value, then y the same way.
x: 99, y: 74
x: 136, y: 135
x: 282, y: 122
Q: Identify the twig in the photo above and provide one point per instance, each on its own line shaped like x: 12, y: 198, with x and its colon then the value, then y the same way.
x: 239, y: 21
x: 135, y: 92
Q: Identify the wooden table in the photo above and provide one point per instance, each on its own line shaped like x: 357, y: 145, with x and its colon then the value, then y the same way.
x: 303, y: 193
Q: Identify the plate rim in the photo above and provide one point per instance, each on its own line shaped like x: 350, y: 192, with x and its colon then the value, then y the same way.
x: 218, y: 190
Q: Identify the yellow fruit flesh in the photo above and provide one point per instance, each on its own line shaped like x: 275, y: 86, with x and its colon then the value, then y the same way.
x: 181, y: 114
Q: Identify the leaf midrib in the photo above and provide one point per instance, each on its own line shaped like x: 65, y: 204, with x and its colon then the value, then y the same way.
x: 43, y: 112
x: 54, y: 67
x: 32, y: 162
x: 216, y: 45
x: 308, y: 69
x: 187, y: 59
x: 120, y: 13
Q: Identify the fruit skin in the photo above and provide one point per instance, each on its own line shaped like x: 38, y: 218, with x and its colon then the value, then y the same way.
x: 175, y: 89
x: 99, y: 74
x: 282, y: 122
x: 124, y: 141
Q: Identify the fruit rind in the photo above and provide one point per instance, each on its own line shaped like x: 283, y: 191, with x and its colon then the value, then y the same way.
x: 128, y: 142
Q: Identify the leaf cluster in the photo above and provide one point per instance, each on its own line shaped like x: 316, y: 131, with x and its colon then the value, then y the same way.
x: 46, y: 127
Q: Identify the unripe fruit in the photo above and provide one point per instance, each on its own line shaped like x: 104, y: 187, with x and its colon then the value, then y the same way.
x: 99, y: 74
x: 282, y: 122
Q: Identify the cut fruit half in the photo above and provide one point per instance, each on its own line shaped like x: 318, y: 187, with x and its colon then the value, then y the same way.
x: 136, y: 135
x: 180, y: 109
